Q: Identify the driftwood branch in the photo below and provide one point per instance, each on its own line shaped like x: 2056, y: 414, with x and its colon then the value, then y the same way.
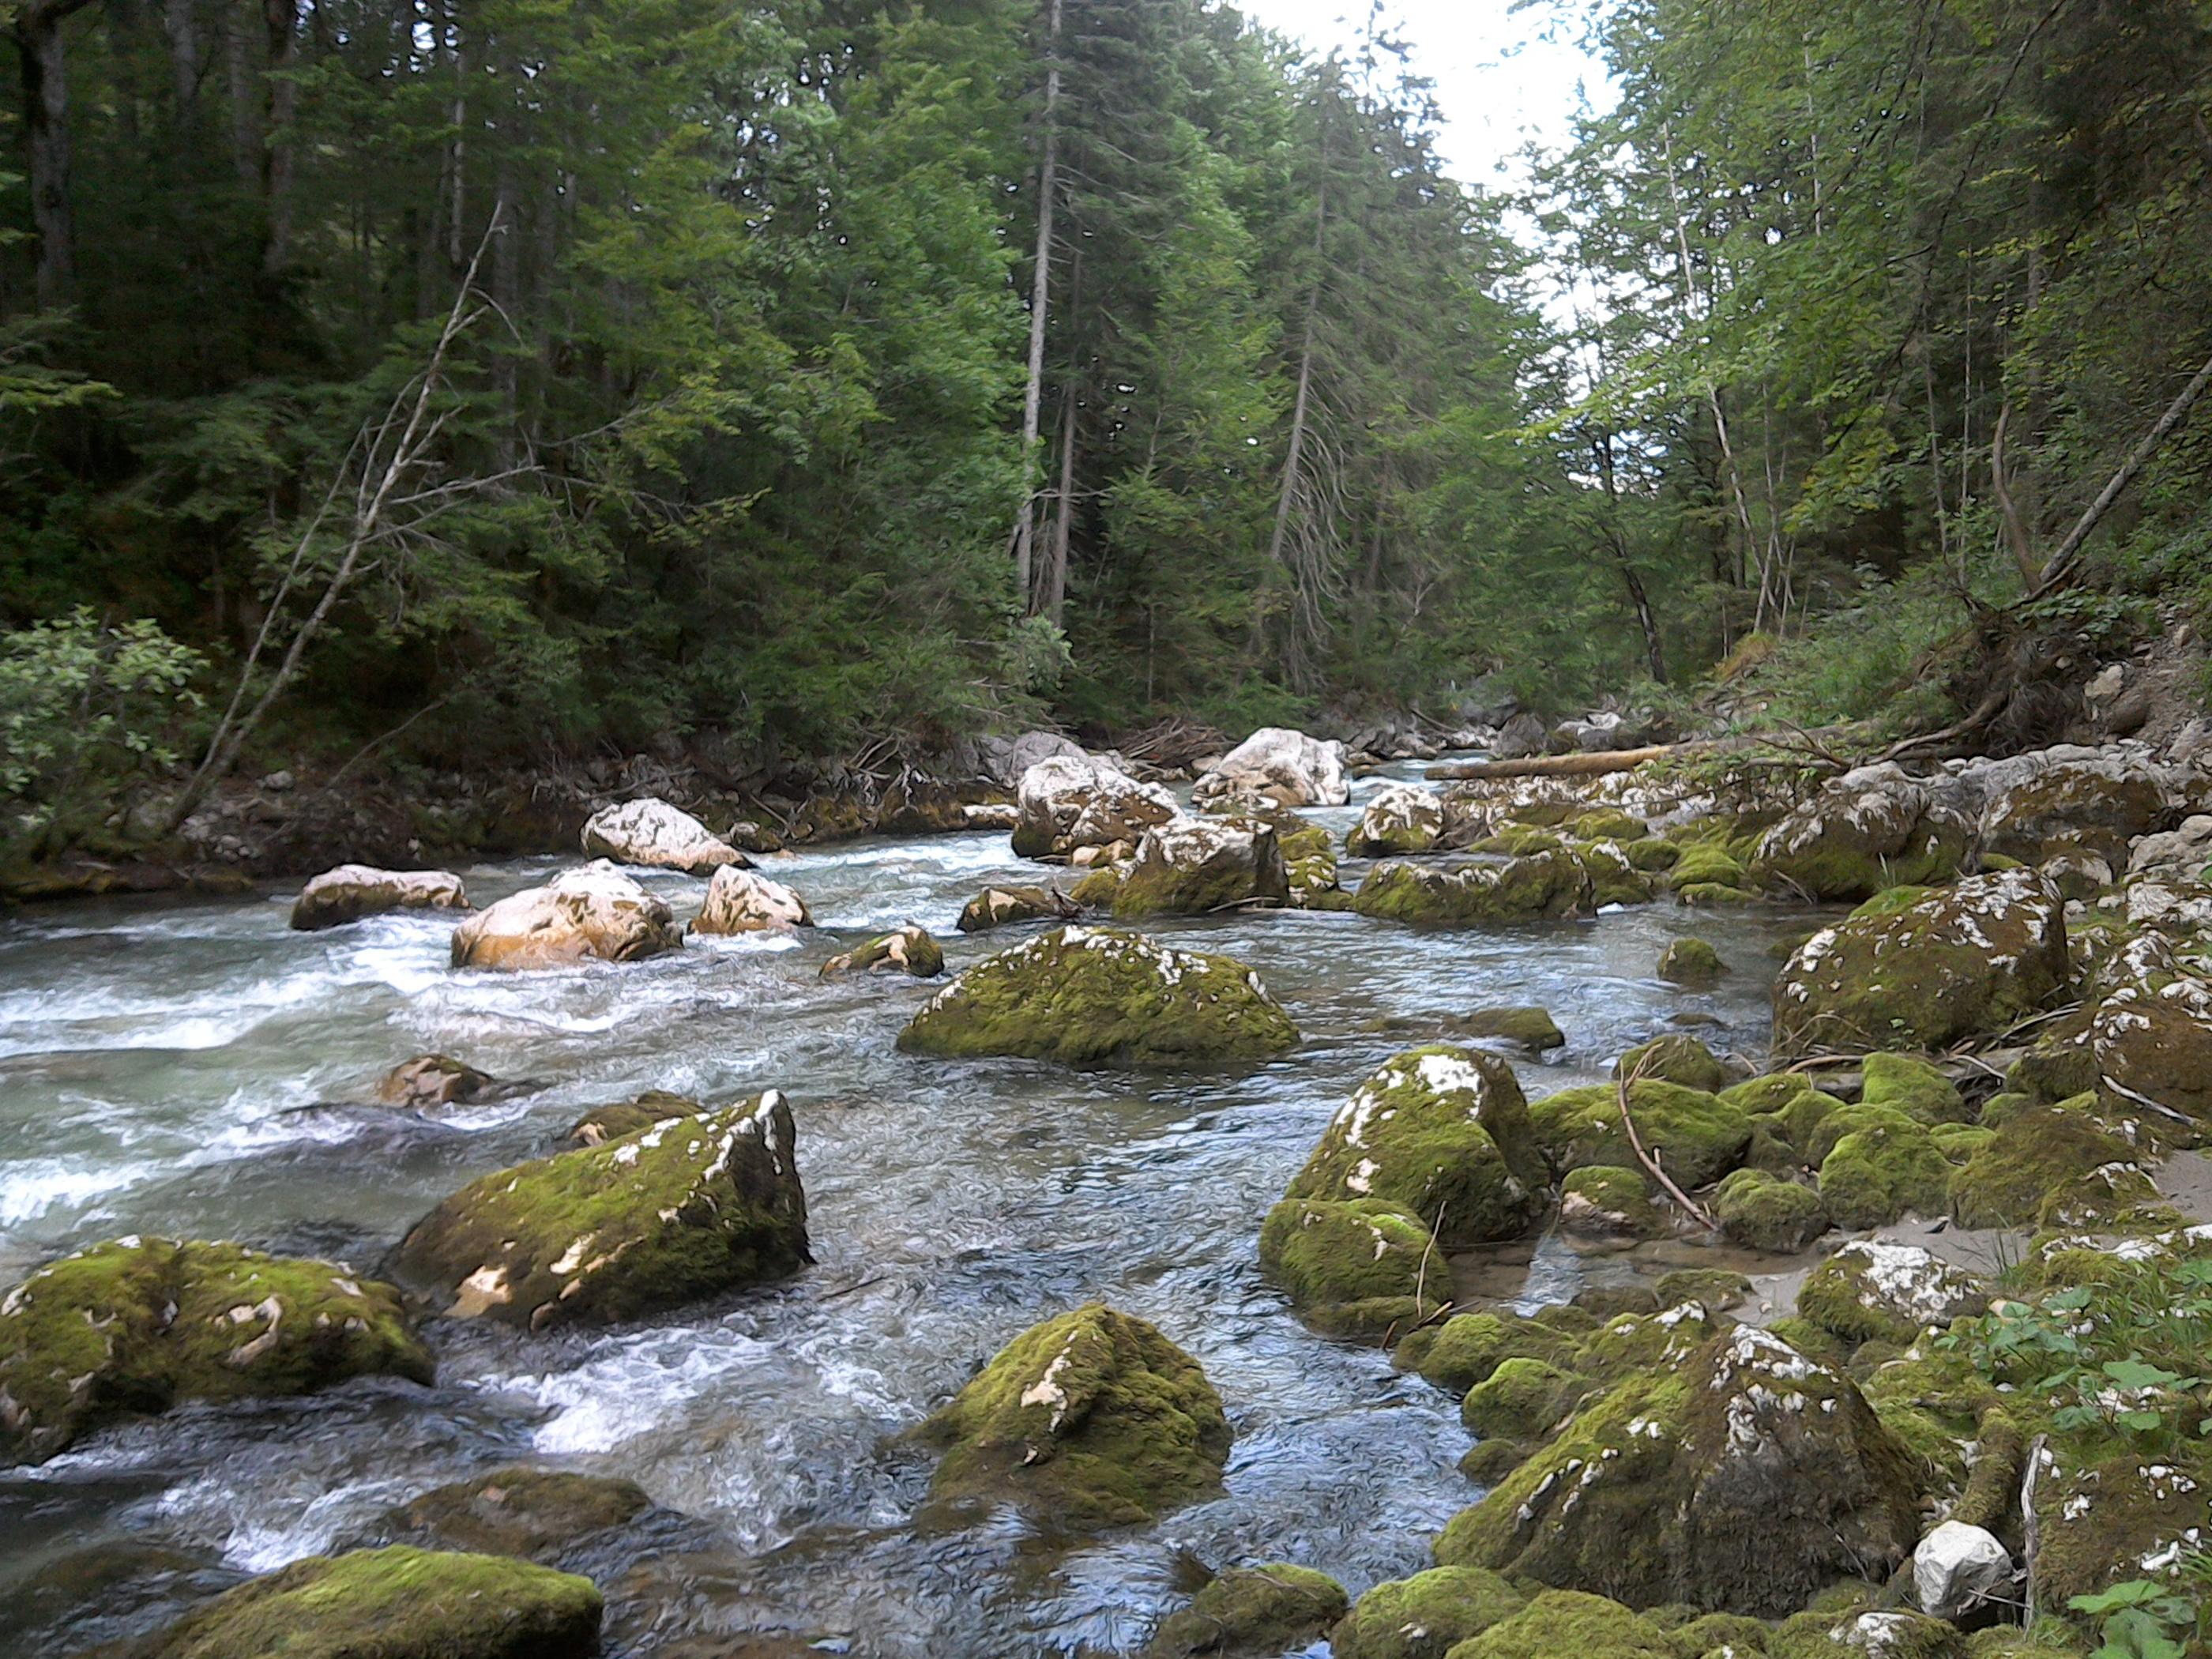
x: 1566, y: 766
x: 1652, y: 1164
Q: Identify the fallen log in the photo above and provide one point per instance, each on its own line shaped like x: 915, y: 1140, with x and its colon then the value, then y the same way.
x: 1564, y: 766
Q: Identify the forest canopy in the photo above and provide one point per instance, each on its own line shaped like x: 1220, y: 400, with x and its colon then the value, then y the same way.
x: 518, y: 379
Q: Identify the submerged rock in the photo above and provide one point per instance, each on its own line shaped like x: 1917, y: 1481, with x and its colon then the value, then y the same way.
x: 1092, y: 1419
x: 1192, y: 868
x: 536, y: 1514
x: 1871, y: 829
x: 1354, y: 1268
x: 1279, y: 765
x: 433, y: 1080
x: 1001, y: 907
x: 596, y: 912
x: 689, y: 1206
x: 1425, y: 1616
x: 1918, y: 971
x: 1444, y: 1133
x: 909, y: 950
x: 658, y: 835
x: 741, y: 901
x: 1404, y: 817
x: 1746, y: 1479
x: 1097, y: 996
x: 1691, y: 962
x: 1526, y: 888
x: 1251, y: 1613
x: 354, y: 890
x: 139, y: 1324
x: 1067, y: 802
x: 396, y: 1603
x: 1532, y: 1028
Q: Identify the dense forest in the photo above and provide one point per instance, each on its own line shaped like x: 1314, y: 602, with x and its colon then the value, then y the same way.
x: 485, y: 379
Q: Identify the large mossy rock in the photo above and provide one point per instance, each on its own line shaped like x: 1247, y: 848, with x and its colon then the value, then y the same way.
x: 1746, y: 1479
x: 1354, y: 1269
x: 2040, y: 1160
x: 1569, y: 1624
x: 1527, y: 889
x: 139, y: 1324
x: 396, y: 1603
x: 1764, y: 1212
x: 1921, y: 972
x: 1676, y: 1057
x: 1425, y: 1616
x: 1195, y: 866
x: 1880, y: 1172
x: 1088, y: 996
x: 536, y: 1514
x: 1067, y: 802
x: 690, y: 1205
x: 659, y: 836
x: 1402, y: 819
x: 1914, y: 1086
x: 1696, y: 1136
x: 1444, y: 1133
x: 1251, y: 1613
x: 1869, y: 1291
x: 2117, y: 1517
x: 1868, y: 830
x: 354, y: 890
x: 2079, y: 800
x: 1468, y: 1347
x: 1091, y: 1419
x: 596, y: 913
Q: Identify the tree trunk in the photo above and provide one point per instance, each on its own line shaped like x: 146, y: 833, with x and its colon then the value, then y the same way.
x: 1040, y: 304
x: 1630, y: 577
x: 281, y: 19
x: 1056, y: 575
x: 244, y: 113
x: 182, y: 26
x: 38, y: 31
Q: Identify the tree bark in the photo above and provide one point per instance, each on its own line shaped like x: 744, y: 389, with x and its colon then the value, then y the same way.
x: 281, y: 19
x: 179, y: 23
x: 38, y: 31
x: 1639, y: 596
x: 244, y: 113
x: 1040, y: 305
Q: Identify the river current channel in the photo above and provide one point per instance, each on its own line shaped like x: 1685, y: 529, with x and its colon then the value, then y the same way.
x: 197, y: 1070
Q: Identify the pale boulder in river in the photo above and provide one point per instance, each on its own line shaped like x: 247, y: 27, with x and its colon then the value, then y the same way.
x: 744, y: 901
x: 661, y: 837
x: 596, y: 912
x: 354, y: 890
x: 1066, y: 803
x: 1275, y: 763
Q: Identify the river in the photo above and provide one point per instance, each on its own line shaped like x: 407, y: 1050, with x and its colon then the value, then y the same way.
x: 186, y: 1069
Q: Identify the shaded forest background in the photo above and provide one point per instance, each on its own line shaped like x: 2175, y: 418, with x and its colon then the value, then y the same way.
x: 492, y: 379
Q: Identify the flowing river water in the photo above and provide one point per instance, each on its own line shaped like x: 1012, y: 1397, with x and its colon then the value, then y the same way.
x: 198, y: 1070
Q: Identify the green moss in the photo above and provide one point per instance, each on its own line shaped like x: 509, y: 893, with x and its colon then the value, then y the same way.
x: 1096, y: 891
x: 1870, y: 1292
x: 1703, y: 863
x: 2056, y: 1068
x: 139, y: 1324
x: 1690, y: 962
x: 1467, y: 1347
x: 1534, y: 1029
x: 1719, y: 1289
x: 1960, y: 1141
x: 1520, y: 840
x: 1875, y: 1175
x: 1443, y: 1132
x: 1849, y: 1120
x: 1542, y: 884
x: 689, y: 1207
x: 1607, y: 823
x: 2051, y: 1638
x: 1712, y: 895
x: 1762, y: 1213
x: 1653, y: 857
x: 1523, y: 1401
x: 2043, y: 1155
x: 1568, y: 1625
x: 1719, y: 1632
x: 2101, y: 1521
x: 1914, y: 1087
x: 1605, y: 1198
x: 1093, y: 1418
x: 397, y: 1603
x: 910, y: 951
x: 1095, y: 996
x: 1614, y: 879
x: 1185, y: 870
x: 1693, y: 1134
x: 1676, y: 1058
x: 1884, y: 1634
x: 1891, y: 900
x: 1425, y: 1616
x: 1810, y: 1339
x: 1354, y: 1268
x: 533, y: 1513
x: 1780, y: 1093
x: 1256, y: 1611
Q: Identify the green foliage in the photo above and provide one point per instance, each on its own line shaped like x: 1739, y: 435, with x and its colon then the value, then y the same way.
x: 2144, y: 1619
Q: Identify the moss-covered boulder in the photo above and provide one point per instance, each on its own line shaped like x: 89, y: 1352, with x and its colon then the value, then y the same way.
x: 1971, y: 959
x: 1403, y: 818
x: 2038, y: 1160
x: 1691, y: 963
x: 909, y: 949
x: 1309, y: 864
x: 1780, y: 1092
x: 396, y: 1603
x: 1354, y: 1269
x: 1696, y: 1137
x: 1444, y: 1133
x: 1529, y: 889
x: 1531, y: 1028
x: 1871, y: 1291
x: 2152, y: 1041
x: 1196, y: 867
x: 2109, y: 1519
x: 1676, y: 1057
x: 1746, y: 1478
x: 1569, y: 1625
x: 1881, y: 1173
x: 1881, y: 1633
x: 594, y: 913
x: 1523, y: 1401
x: 1467, y: 1347
x: 1088, y: 996
x: 1914, y: 1086
x: 688, y: 1207
x: 618, y: 1118
x: 536, y: 1514
x: 1706, y: 864
x: 140, y: 1324
x: 1871, y: 829
x: 1254, y: 1613
x: 1763, y: 1211
x: 1613, y: 878
x: 1604, y: 1201
x: 2093, y: 801
x: 1425, y: 1616
x: 1002, y: 907
x: 1092, y: 1419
